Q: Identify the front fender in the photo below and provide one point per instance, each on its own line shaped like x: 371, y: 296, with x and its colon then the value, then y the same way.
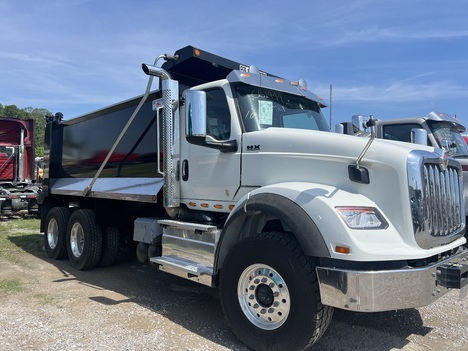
x: 283, y: 202
x: 308, y: 210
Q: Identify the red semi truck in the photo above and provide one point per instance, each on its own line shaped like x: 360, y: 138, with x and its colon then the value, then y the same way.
x: 18, y: 187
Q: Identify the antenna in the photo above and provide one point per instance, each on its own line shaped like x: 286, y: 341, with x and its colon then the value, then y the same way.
x: 331, y: 89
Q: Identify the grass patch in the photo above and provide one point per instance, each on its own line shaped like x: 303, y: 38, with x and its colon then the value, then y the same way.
x: 44, y: 299
x: 20, y: 236
x: 11, y: 285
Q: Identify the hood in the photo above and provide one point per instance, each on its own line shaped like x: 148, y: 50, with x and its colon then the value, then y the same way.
x: 314, y: 156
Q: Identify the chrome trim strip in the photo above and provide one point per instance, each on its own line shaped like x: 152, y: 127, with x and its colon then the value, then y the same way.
x: 130, y: 189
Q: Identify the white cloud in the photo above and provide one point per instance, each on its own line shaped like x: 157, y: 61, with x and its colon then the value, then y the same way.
x: 396, y: 92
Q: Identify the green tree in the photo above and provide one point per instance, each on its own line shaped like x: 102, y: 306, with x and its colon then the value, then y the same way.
x: 37, y: 114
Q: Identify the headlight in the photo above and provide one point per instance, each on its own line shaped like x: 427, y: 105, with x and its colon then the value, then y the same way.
x: 362, y: 217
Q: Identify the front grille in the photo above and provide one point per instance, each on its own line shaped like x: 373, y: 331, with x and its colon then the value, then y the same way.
x: 443, y: 203
x: 437, y: 201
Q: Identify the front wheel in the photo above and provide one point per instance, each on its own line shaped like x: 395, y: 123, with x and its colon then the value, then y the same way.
x: 270, y: 295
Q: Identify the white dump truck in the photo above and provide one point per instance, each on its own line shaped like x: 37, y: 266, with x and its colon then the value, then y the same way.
x: 229, y: 176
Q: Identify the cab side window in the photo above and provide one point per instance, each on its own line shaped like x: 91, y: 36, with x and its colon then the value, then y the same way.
x: 218, y: 122
x: 399, y: 132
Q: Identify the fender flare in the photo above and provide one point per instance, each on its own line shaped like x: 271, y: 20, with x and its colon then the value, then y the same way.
x: 278, y: 206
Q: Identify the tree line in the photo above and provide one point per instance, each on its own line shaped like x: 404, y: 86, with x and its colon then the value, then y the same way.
x: 37, y: 114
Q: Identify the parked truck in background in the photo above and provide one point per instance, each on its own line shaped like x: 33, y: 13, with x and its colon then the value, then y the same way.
x: 18, y: 186
x: 437, y: 129
x: 229, y: 176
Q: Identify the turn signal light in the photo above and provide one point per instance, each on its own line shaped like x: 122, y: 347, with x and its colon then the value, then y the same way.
x: 342, y: 250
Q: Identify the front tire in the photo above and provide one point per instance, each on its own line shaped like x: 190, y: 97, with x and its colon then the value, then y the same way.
x: 56, y: 232
x: 270, y: 295
x: 84, y: 240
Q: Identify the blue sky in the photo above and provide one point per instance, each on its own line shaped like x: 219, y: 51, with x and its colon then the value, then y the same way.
x: 389, y: 58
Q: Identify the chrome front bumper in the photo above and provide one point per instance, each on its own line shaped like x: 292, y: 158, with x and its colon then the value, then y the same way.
x: 373, y: 291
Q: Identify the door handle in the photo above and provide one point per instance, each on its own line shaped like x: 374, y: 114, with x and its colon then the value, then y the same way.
x: 185, y: 170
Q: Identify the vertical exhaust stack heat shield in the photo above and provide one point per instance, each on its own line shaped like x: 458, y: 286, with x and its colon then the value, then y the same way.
x: 170, y: 94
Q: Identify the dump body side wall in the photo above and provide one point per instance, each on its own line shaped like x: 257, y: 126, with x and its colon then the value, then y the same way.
x: 85, y: 142
x: 76, y: 148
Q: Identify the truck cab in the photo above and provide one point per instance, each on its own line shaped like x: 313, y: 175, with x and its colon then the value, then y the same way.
x: 437, y: 129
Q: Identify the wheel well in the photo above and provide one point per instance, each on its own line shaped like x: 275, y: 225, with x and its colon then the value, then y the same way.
x: 266, y: 213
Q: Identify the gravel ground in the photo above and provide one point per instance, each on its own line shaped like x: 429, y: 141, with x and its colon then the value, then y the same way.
x: 132, y: 307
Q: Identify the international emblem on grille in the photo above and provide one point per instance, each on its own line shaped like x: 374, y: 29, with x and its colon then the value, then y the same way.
x: 445, y: 161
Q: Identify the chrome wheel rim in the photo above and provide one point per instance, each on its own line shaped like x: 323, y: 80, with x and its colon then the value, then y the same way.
x: 77, y: 240
x: 52, y: 233
x: 263, y: 296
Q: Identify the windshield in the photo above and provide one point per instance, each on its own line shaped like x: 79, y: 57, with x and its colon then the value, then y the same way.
x: 449, y: 138
x: 263, y: 108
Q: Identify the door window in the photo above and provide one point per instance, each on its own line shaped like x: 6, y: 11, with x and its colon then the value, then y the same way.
x: 218, y: 121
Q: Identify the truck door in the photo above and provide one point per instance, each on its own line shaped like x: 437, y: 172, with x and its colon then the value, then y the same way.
x: 208, y: 173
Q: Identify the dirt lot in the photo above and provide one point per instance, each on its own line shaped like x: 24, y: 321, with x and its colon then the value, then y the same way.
x: 47, y: 305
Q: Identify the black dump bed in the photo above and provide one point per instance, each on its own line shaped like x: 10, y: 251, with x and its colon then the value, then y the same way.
x: 77, y: 147
x: 80, y: 145
x: 75, y: 150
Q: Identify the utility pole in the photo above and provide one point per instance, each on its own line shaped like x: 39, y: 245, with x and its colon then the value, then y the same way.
x: 331, y: 89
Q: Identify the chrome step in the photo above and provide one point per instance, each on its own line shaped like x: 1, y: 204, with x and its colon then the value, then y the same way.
x: 187, y: 225
x: 184, y: 268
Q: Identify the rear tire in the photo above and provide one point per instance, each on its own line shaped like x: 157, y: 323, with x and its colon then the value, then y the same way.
x: 110, y: 246
x: 270, y: 294
x: 56, y: 232
x: 84, y: 240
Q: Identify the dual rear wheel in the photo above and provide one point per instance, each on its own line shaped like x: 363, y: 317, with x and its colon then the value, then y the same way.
x: 78, y: 236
